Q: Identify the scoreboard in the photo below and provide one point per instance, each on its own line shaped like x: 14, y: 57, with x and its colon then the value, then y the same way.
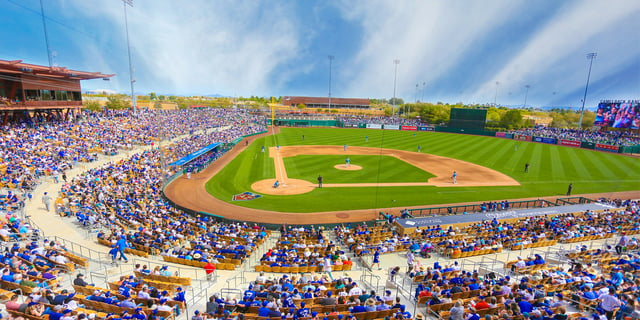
x: 467, y: 118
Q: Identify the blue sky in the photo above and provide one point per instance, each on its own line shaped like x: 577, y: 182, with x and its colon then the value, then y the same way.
x: 458, y: 48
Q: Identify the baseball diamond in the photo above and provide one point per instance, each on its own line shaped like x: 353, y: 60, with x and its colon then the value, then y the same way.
x: 487, y: 169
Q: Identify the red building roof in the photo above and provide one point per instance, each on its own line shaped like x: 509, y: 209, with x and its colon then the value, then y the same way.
x: 17, y: 67
x: 287, y: 100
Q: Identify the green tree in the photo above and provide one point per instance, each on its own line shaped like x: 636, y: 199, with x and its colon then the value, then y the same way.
x: 116, y: 103
x: 153, y: 96
x: 92, y: 105
x: 512, y: 119
x: 398, y: 101
x: 588, y: 119
x: 301, y: 106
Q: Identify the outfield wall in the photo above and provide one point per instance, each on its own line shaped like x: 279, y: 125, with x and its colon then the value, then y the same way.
x: 507, y: 135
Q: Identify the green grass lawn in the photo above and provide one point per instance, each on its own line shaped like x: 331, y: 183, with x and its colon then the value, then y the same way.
x: 552, y: 169
x: 374, y: 169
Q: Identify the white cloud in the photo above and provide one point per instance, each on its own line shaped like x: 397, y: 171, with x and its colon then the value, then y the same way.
x: 556, y: 56
x: 428, y: 37
x: 229, y: 47
x: 436, y: 38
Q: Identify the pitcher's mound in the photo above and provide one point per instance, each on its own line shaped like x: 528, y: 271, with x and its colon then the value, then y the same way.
x: 289, y: 187
x: 351, y: 167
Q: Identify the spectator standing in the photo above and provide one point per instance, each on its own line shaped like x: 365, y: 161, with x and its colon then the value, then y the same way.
x: 410, y: 260
x: 46, y: 200
x: 622, y: 243
x: 209, y: 268
x: 609, y: 302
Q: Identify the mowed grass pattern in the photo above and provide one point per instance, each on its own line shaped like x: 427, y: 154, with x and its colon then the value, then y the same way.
x: 552, y: 168
x: 375, y: 169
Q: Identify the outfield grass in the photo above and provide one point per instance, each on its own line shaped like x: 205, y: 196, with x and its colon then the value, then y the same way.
x: 552, y: 169
x: 374, y: 169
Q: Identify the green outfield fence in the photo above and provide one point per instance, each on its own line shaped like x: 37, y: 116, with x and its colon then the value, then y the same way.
x: 305, y: 123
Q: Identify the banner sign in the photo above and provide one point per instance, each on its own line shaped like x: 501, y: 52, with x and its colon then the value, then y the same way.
x: 522, y: 137
x: 409, y: 128
x: 374, y: 126
x: 391, y: 127
x: 509, y: 135
x: 190, y: 157
x: 427, y: 128
x: 501, y: 134
x: 587, y: 145
x: 570, y: 143
x: 544, y: 140
x: 606, y: 147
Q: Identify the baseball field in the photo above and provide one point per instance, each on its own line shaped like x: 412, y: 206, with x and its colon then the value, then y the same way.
x: 404, y: 168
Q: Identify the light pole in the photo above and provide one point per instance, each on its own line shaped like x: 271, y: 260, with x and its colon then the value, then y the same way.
x: 330, y: 64
x: 424, y: 85
x: 46, y: 35
x: 126, y: 3
x: 590, y: 56
x: 395, y: 76
x: 525, y: 96
x: 495, y: 98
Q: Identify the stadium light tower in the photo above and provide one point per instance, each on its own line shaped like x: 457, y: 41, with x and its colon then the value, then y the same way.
x: 395, y: 77
x: 126, y: 3
x: 525, y: 96
x: 330, y: 65
x: 495, y: 98
x: 590, y: 56
x: 424, y: 85
x: 46, y: 34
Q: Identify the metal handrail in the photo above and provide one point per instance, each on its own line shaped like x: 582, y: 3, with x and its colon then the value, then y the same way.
x: 367, y: 274
x: 80, y: 250
x: 239, y: 277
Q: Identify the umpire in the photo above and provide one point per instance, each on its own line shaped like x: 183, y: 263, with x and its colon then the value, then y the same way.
x: 319, y: 181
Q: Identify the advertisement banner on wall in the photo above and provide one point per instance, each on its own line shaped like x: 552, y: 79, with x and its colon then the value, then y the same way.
x: 391, y: 127
x: 521, y: 137
x: 569, y: 143
x: 427, y: 128
x: 544, y: 140
x: 374, y: 126
x: 501, y: 134
x: 409, y: 128
x: 606, y: 147
x: 587, y: 145
x: 509, y: 135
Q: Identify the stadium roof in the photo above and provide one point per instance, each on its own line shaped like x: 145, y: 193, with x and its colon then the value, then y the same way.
x: 292, y: 100
x: 18, y: 67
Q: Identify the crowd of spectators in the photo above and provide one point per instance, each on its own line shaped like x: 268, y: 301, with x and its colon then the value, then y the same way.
x: 307, y: 296
x: 616, y: 138
x: 126, y: 195
x: 304, y: 246
x: 31, y: 151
